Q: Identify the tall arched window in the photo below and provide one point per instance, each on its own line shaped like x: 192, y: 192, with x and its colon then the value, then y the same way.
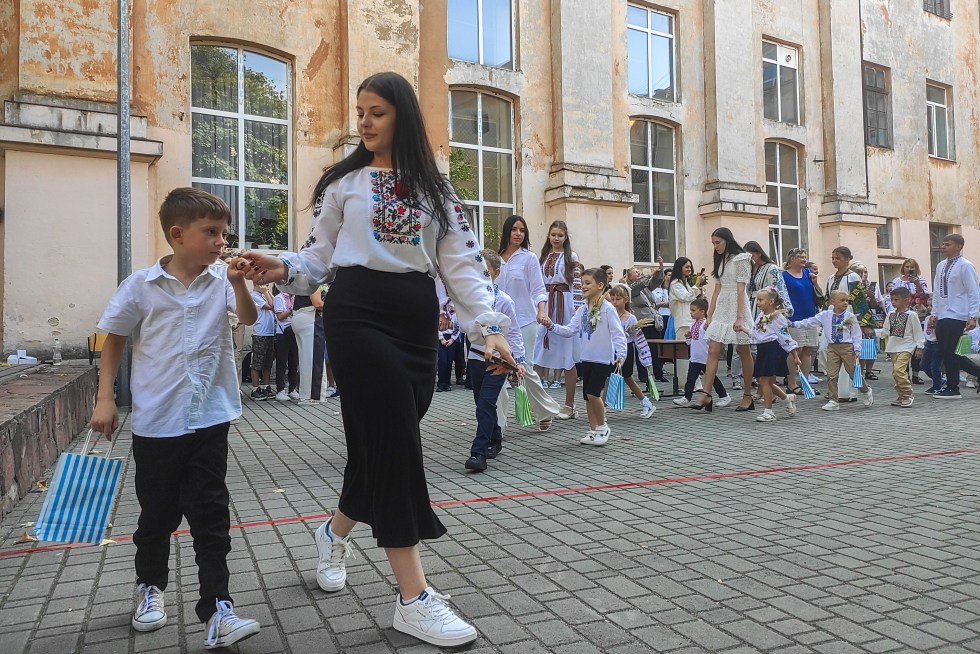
x: 481, y: 159
x: 787, y: 230
x: 653, y: 166
x: 240, y: 139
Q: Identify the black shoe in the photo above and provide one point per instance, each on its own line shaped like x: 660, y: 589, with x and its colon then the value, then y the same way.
x: 258, y: 395
x: 917, y: 380
x: 750, y: 407
x: 948, y: 394
x: 460, y: 382
x: 476, y: 463
x: 494, y: 450
x: 708, y: 408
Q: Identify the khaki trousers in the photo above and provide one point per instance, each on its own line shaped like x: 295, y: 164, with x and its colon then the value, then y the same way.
x: 838, y: 355
x: 900, y: 373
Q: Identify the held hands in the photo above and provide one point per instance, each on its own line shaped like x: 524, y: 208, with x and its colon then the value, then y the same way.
x: 496, y: 342
x: 547, y: 323
x: 917, y: 354
x: 445, y: 322
x: 740, y: 325
x: 970, y: 324
x: 260, y: 268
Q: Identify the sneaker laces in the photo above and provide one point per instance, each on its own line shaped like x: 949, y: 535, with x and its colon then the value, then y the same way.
x: 439, y: 609
x: 340, y: 549
x: 224, y: 615
x: 152, y: 599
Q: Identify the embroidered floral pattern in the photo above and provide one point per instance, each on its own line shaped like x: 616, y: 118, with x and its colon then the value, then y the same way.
x: 461, y: 218
x: 551, y: 264
x: 397, y: 217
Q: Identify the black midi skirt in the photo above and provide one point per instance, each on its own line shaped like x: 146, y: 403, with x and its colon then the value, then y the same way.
x: 770, y: 360
x: 383, y: 325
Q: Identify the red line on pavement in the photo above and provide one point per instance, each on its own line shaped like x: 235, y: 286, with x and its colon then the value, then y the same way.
x: 556, y: 491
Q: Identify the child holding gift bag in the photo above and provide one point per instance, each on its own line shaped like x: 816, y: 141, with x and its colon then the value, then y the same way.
x: 601, y: 346
x: 772, y: 340
x: 638, y: 350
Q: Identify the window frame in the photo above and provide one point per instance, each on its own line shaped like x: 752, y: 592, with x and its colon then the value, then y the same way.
x: 480, y: 204
x: 801, y: 224
x: 935, y: 251
x: 480, y: 37
x: 780, y: 48
x: 888, y: 231
x: 884, y: 94
x: 240, y: 183
x: 650, y: 33
x: 650, y: 170
x: 931, y: 109
x: 941, y: 8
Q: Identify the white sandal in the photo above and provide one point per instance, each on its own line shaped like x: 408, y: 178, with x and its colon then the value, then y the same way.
x: 562, y: 415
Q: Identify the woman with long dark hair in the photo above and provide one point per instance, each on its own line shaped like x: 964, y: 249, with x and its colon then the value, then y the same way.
x: 728, y: 313
x: 557, y: 261
x: 682, y: 292
x: 520, y: 278
x: 384, y: 218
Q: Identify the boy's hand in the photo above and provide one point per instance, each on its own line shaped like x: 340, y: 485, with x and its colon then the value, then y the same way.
x: 105, y: 418
x: 917, y: 354
x: 796, y: 360
x: 261, y: 268
x: 236, y: 271
x: 618, y: 362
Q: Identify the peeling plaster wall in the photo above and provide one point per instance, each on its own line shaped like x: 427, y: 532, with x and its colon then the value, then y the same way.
x: 9, y: 46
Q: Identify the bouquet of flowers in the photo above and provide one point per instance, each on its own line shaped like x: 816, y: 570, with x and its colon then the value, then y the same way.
x: 700, y: 279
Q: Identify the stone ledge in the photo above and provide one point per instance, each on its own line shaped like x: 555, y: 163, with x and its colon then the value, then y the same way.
x: 41, y: 411
x: 571, y: 182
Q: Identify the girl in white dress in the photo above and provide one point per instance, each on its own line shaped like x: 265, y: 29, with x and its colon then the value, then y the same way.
x: 728, y: 311
x: 557, y: 260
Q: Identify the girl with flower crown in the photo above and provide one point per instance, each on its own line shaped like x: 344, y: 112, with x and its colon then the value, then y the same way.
x: 770, y: 335
x: 601, y: 347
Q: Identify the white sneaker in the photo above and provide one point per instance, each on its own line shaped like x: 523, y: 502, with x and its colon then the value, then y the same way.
x: 722, y: 402
x: 647, y: 409
x: 682, y: 401
x: 813, y: 379
x: 294, y: 396
x: 831, y: 405
x: 869, y: 397
x: 601, y: 437
x: 149, y: 615
x: 790, y: 405
x: 431, y: 619
x: 225, y: 628
x: 971, y: 384
x: 331, y: 571
x: 766, y: 416
x: 588, y: 439
x: 282, y: 396
x: 332, y: 391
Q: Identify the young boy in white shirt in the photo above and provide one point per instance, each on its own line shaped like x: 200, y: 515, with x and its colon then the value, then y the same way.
x: 185, y: 393
x: 698, y: 359
x: 263, y: 343
x: 905, y: 340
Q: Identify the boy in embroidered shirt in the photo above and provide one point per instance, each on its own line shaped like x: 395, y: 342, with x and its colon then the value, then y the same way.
x: 841, y: 329
x: 448, y: 344
x: 263, y: 343
x: 905, y: 340
x: 698, y: 345
x: 486, y: 380
x: 177, y: 310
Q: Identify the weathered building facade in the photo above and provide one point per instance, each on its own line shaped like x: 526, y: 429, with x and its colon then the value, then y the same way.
x: 642, y: 125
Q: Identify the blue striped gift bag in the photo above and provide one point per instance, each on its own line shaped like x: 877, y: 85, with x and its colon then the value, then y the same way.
x: 616, y: 391
x: 869, y: 349
x: 808, y: 392
x: 858, y: 379
x: 80, y: 497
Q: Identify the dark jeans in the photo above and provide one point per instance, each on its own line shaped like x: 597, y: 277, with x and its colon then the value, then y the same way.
x: 462, y: 349
x: 180, y: 477
x: 948, y: 333
x: 932, y: 364
x: 695, y: 370
x: 287, y: 360
x: 447, y: 355
x: 486, y: 390
x: 658, y: 366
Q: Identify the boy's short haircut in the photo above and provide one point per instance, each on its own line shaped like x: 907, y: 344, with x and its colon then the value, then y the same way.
x: 955, y: 238
x: 184, y: 205
x: 491, y: 258
x: 839, y: 293
x: 901, y: 292
x: 700, y: 303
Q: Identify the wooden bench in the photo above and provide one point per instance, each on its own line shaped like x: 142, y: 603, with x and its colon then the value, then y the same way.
x: 95, y: 342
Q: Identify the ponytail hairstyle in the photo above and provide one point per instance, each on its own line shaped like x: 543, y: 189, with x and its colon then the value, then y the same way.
x: 731, y: 249
x: 623, y: 291
x: 566, y: 247
x: 417, y: 176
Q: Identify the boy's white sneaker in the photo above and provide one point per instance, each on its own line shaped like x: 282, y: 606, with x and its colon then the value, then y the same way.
x: 682, y: 401
x: 790, y: 405
x: 722, y: 402
x: 831, y: 405
x: 282, y: 396
x: 647, y: 409
x: 149, y: 615
x: 294, y: 396
x: 601, y: 437
x: 766, y: 416
x: 225, y: 628
x: 588, y: 439
x: 331, y: 570
x: 869, y: 397
x: 430, y: 618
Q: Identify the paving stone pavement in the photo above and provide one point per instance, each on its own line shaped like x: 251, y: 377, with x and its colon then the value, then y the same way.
x: 856, y: 531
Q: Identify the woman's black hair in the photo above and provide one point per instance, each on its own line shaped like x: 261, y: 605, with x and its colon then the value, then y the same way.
x: 411, y: 154
x: 753, y: 247
x: 677, y: 272
x: 731, y: 249
x: 566, y: 247
x: 505, y: 233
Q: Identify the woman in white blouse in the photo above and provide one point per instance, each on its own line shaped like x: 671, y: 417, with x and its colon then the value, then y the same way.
x: 520, y: 277
x: 681, y: 294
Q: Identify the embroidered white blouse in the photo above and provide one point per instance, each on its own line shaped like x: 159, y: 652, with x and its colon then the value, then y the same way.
x: 603, y: 343
x: 520, y: 277
x: 363, y: 220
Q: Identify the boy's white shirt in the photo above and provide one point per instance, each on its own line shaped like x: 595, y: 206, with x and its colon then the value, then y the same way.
x: 912, y: 339
x: 265, y: 324
x: 183, y: 374
x: 279, y: 306
x: 824, y: 319
x: 606, y: 344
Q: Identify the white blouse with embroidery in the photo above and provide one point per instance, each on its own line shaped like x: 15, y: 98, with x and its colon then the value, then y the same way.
x: 365, y: 219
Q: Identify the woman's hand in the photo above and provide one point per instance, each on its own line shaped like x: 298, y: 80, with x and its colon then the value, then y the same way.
x: 496, y: 342
x: 740, y: 325
x: 868, y: 332
x: 445, y: 322
x: 261, y: 268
